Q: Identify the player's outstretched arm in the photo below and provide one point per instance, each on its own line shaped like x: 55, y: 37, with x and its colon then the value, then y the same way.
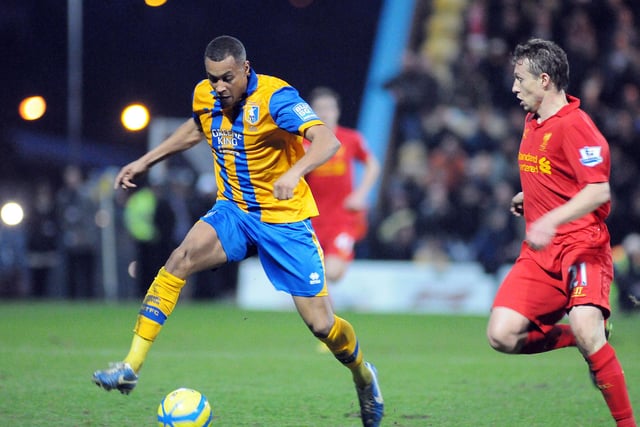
x: 186, y: 136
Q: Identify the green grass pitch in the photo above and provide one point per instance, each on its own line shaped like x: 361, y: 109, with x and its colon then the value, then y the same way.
x: 264, y: 369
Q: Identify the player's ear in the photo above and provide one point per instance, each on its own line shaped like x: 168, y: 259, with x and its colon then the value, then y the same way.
x: 247, y: 67
x: 545, y: 80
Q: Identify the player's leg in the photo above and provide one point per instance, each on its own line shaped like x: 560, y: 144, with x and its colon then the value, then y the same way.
x: 337, y: 333
x: 526, y: 310
x: 292, y: 259
x: 336, y: 267
x: 605, y: 367
x: 590, y: 281
x: 338, y: 246
x: 507, y: 330
x: 340, y: 337
x: 510, y: 332
x: 200, y: 249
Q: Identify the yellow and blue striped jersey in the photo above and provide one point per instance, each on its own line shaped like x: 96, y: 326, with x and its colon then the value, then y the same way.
x: 257, y: 143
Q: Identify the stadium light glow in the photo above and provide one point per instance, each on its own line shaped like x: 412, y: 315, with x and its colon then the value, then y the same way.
x: 11, y: 213
x: 32, y: 108
x: 135, y: 117
x: 155, y: 3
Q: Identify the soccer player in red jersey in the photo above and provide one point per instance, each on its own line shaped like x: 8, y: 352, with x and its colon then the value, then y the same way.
x: 565, y: 263
x: 342, y: 205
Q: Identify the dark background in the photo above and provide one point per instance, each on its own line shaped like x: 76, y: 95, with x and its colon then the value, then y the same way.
x: 136, y: 53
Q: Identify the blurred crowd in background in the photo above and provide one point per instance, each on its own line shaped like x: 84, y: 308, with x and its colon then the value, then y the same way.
x: 60, y: 250
x: 450, y: 167
x: 452, y: 162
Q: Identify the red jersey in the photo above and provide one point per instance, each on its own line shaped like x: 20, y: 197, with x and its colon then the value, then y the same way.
x: 332, y: 182
x: 557, y: 159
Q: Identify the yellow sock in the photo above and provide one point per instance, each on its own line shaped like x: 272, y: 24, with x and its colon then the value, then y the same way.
x: 138, y: 352
x: 157, y: 306
x: 343, y: 344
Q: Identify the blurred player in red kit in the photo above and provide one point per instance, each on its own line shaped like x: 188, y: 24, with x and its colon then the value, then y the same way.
x: 342, y: 205
x: 565, y: 264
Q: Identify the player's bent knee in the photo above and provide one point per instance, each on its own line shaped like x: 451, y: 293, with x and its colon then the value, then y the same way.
x: 502, y: 341
x: 335, y: 276
x: 498, y: 345
x: 320, y: 331
x: 321, y: 328
x: 180, y: 262
x: 335, y: 269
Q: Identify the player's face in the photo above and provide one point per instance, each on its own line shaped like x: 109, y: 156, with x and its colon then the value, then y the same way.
x: 228, y: 79
x: 326, y: 107
x: 527, y: 87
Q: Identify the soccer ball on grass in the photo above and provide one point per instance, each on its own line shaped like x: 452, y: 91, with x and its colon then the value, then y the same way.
x: 185, y: 407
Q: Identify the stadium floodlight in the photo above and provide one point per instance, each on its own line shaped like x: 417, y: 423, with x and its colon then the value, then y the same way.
x: 135, y: 117
x: 11, y: 213
x: 32, y: 108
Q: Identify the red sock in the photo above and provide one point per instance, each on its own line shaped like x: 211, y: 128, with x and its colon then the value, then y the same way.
x: 610, y: 380
x: 558, y: 337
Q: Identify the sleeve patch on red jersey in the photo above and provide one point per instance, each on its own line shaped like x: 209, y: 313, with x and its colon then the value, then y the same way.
x: 591, y: 156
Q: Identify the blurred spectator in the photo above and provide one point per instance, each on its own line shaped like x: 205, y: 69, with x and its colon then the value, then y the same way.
x: 624, y: 178
x: 499, y: 235
x: 490, y: 128
x: 447, y: 162
x: 397, y: 235
x: 182, y: 200
x: 627, y: 273
x: 437, y: 214
x: 495, y: 70
x: 42, y: 240
x: 150, y: 220
x: 13, y: 266
x: 581, y: 45
x: 621, y: 66
x: 76, y: 211
x: 591, y: 98
x: 507, y: 21
x: 416, y: 93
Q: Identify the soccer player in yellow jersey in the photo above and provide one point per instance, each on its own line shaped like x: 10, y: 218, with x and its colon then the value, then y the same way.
x: 255, y: 125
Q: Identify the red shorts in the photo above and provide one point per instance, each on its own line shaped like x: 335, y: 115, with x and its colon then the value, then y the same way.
x: 544, y: 296
x: 338, y: 237
x: 338, y: 242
